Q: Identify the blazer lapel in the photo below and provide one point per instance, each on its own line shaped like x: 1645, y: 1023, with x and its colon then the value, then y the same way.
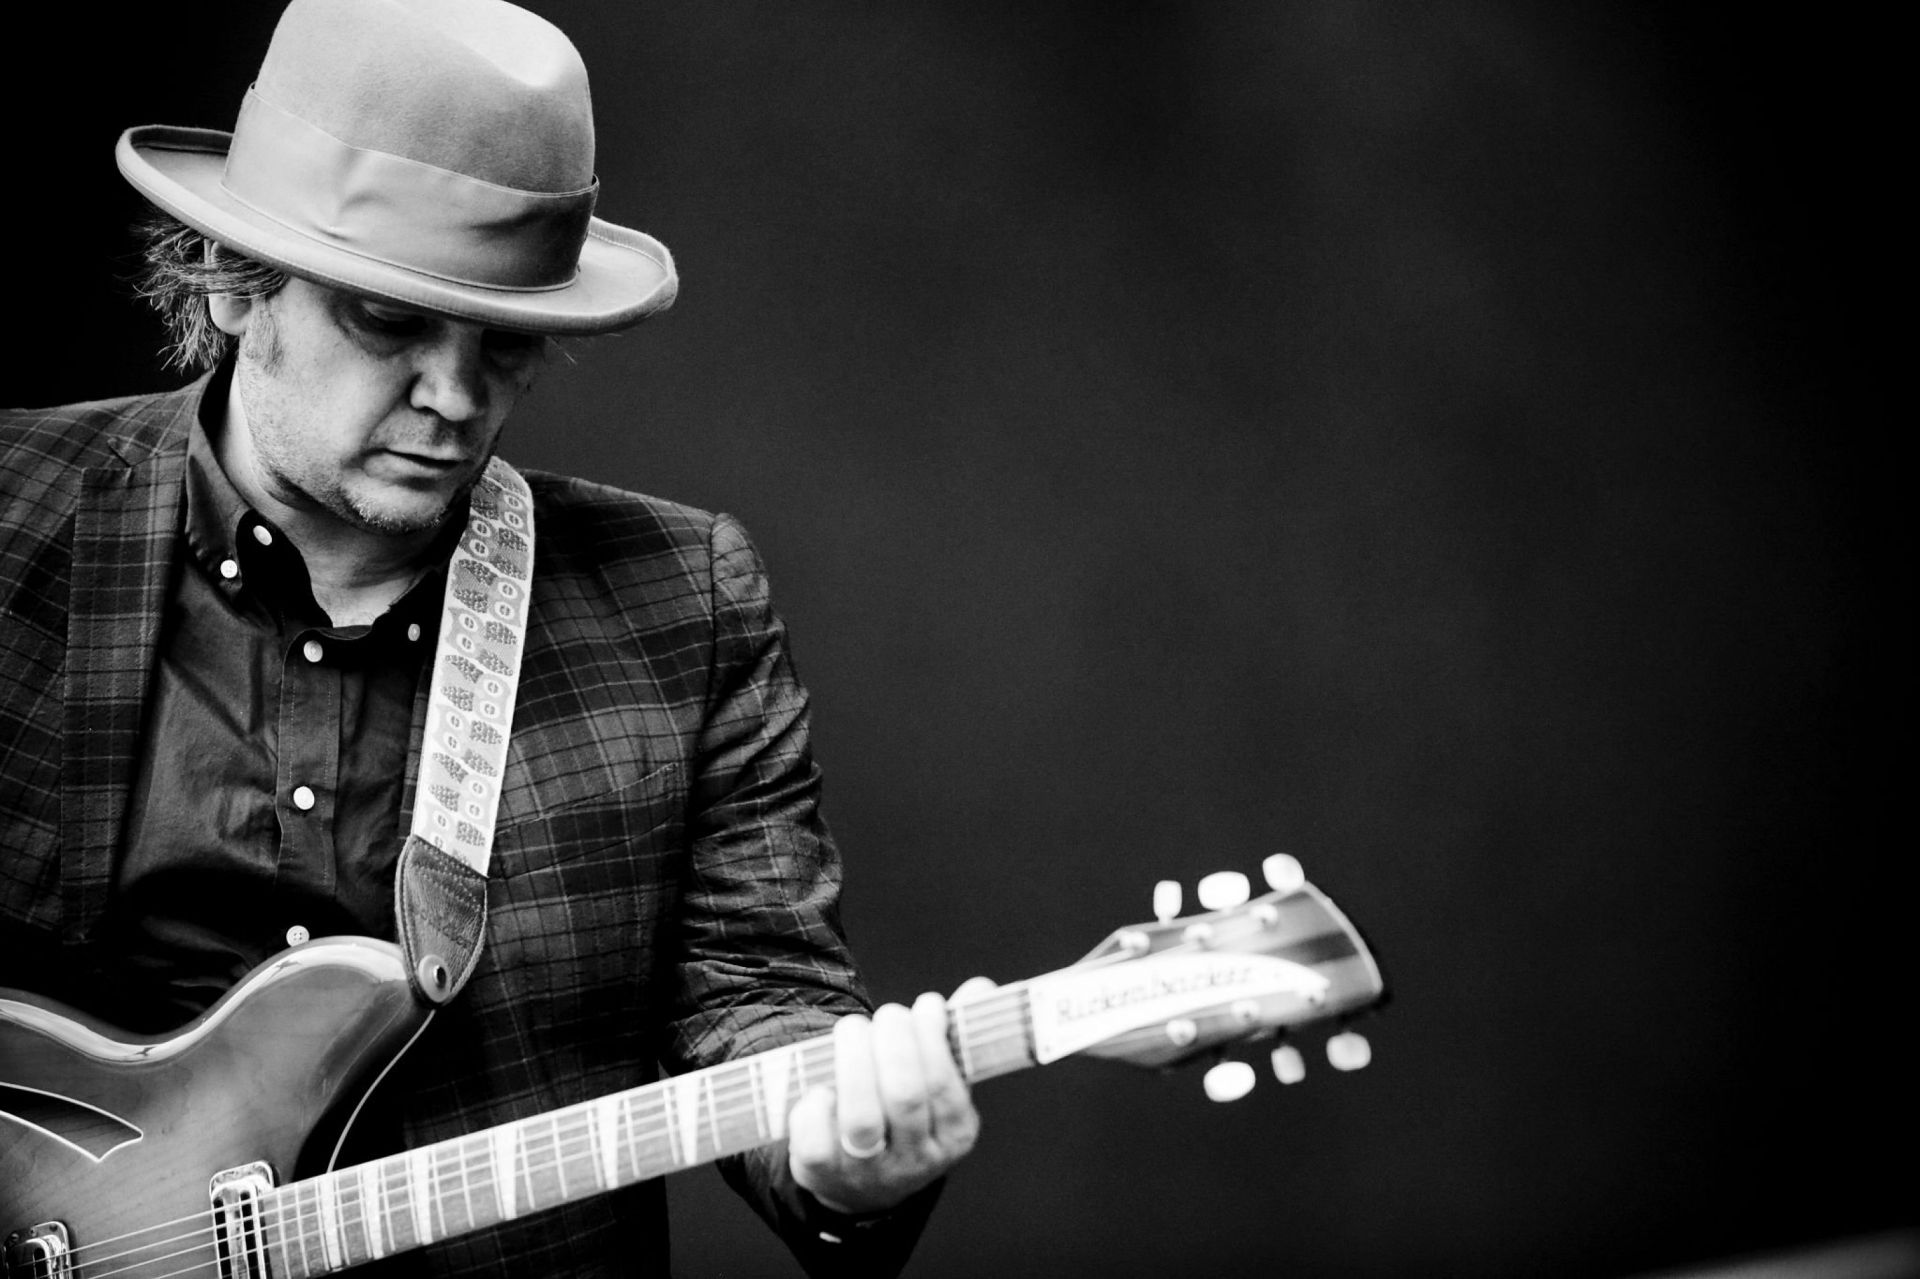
x: 125, y: 540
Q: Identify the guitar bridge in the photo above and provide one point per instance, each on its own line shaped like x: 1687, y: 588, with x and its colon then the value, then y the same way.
x: 239, y: 1231
x: 40, y: 1252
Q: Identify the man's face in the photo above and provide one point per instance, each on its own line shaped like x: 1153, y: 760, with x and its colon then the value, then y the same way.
x: 369, y: 414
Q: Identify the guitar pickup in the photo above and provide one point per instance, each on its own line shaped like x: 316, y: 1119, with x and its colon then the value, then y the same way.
x: 42, y: 1252
x: 238, y: 1196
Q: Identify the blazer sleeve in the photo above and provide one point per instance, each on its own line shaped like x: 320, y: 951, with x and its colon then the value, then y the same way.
x: 762, y: 959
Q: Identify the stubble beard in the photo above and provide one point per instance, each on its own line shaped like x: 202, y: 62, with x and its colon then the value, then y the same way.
x: 261, y: 356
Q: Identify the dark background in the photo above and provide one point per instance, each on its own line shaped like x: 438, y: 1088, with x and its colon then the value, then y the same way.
x: 1446, y: 442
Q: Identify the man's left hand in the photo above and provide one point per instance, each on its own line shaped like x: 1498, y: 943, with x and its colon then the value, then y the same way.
x: 898, y: 1116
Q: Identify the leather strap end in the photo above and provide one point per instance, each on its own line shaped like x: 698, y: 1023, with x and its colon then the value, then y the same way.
x: 441, y: 905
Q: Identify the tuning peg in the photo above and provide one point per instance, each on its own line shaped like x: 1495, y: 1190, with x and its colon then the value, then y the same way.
x: 1166, y: 899
x: 1349, y: 1051
x: 1228, y: 1081
x: 1224, y: 889
x: 1283, y: 873
x: 1182, y: 1031
x: 1289, y: 1067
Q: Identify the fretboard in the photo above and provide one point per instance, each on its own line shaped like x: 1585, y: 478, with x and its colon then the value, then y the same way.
x: 356, y: 1215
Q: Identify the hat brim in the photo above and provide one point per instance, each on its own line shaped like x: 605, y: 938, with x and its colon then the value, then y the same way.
x: 624, y: 276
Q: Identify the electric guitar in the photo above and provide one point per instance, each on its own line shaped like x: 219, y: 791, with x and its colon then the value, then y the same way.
x: 142, y: 1157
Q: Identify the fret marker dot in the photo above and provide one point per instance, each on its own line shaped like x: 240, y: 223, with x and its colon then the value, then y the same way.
x: 229, y: 569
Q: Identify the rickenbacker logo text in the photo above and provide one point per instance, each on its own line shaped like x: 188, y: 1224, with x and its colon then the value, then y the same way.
x: 1070, y: 1007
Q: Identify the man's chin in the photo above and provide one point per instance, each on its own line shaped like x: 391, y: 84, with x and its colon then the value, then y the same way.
x: 408, y: 517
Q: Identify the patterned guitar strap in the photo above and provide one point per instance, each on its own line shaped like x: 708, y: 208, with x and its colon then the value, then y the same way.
x: 441, y: 885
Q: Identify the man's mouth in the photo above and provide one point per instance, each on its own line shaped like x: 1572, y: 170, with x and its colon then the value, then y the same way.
x: 432, y: 463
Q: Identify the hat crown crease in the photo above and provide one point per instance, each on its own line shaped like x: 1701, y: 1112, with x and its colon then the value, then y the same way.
x: 494, y: 92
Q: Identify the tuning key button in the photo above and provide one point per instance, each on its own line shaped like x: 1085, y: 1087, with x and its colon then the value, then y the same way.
x: 1166, y: 899
x: 1349, y: 1051
x: 1283, y: 873
x: 1228, y: 1081
x: 1181, y: 1031
x: 1224, y: 889
x: 1289, y: 1067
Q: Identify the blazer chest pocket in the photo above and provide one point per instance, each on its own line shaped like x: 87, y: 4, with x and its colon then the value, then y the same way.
x: 575, y: 900
x: 629, y: 820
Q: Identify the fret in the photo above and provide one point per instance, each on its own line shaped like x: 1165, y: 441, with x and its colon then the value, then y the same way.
x: 502, y: 1165
x: 447, y: 1180
x: 420, y: 1193
x: 583, y: 1170
x: 770, y: 1073
x: 371, y: 1215
x: 454, y: 1187
x: 348, y: 1212
x: 281, y: 1259
x: 304, y: 1220
x: 326, y: 1217
x: 556, y: 1152
x: 650, y: 1140
x: 606, y: 1139
x: 396, y: 1205
x: 994, y: 1035
x: 737, y: 1117
x: 683, y: 1118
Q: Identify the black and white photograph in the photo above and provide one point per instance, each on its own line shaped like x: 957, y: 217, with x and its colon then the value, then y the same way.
x: 999, y: 639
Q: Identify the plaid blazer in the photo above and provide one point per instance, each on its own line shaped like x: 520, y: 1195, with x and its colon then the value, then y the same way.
x: 662, y: 887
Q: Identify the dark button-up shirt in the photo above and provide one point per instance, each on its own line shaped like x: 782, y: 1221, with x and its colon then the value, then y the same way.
x: 267, y: 804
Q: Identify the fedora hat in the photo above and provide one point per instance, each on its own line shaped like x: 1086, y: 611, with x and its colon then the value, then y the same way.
x: 435, y: 153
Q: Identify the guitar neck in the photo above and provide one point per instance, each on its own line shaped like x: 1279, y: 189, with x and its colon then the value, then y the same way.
x: 359, y: 1214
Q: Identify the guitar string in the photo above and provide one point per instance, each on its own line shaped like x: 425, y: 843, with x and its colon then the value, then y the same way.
x: 470, y: 1159
x: 1002, y: 1006
x: 986, y: 1016
x: 731, y: 1098
x: 728, y: 1075
x: 571, y: 1142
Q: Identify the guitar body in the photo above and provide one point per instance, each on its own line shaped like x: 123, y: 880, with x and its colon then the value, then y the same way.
x: 109, y: 1133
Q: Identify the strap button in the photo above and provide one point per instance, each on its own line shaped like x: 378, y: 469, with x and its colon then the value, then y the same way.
x: 434, y: 977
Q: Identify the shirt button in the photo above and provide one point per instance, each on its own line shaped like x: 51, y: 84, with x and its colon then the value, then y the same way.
x: 413, y: 631
x: 313, y: 650
x: 297, y: 935
x: 263, y: 535
x: 229, y: 569
x: 303, y: 797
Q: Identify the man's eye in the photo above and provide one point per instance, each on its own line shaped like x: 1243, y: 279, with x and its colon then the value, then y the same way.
x: 392, y: 323
x: 513, y: 348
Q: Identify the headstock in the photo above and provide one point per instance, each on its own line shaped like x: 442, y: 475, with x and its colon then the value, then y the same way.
x: 1166, y: 992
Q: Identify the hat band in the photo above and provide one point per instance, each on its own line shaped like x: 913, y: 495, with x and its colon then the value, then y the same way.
x: 402, y: 212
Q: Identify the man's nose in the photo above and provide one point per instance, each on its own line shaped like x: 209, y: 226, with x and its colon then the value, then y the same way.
x: 449, y: 379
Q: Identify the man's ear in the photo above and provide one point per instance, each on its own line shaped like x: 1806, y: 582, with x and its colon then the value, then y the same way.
x: 231, y: 312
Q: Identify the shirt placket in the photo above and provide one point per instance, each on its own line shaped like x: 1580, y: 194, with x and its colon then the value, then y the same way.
x: 308, y: 769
